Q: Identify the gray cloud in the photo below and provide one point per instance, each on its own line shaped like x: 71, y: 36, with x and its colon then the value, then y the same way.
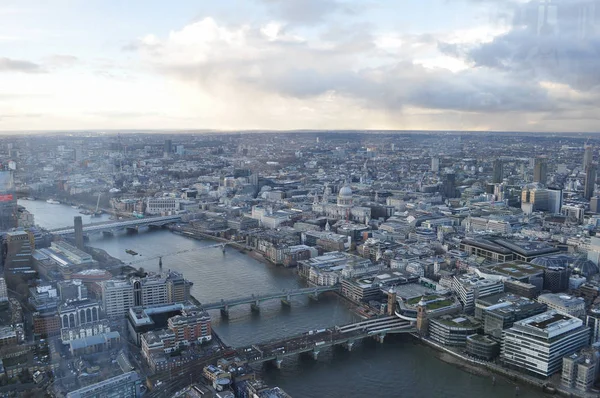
x: 17, y: 65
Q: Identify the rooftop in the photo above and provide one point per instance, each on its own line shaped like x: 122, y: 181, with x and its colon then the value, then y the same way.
x: 517, y: 269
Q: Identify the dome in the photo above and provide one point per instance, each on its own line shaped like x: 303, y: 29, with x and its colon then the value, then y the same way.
x: 345, y: 191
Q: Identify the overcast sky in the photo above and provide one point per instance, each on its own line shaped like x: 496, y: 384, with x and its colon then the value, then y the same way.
x: 300, y: 64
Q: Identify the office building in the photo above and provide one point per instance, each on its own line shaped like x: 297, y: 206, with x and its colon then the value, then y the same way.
x: 8, y: 201
x: 191, y: 327
x: 149, y: 291
x: 126, y: 385
x: 588, y: 155
x: 527, y: 290
x: 497, y: 173
x: 117, y: 298
x: 19, y: 248
x: 540, y: 170
x: 78, y: 232
x: 3, y: 291
x: 592, y: 320
x: 178, y: 288
x: 78, y: 313
x: 504, y: 314
x: 595, y: 204
x: 452, y: 330
x: 563, y: 304
x: 72, y: 290
x: 482, y: 347
x: 168, y: 149
x: 449, y: 186
x: 162, y: 205
x: 579, y: 369
x: 590, y: 180
x: 538, y: 344
x: 556, y: 279
x: 469, y: 287
x: 435, y: 164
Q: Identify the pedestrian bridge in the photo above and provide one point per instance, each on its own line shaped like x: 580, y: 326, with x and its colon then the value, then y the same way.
x: 256, y: 299
x: 315, y: 341
x: 121, y: 224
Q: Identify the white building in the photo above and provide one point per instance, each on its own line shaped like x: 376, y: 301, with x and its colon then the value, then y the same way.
x: 564, y: 304
x: 117, y: 298
x: 3, y: 291
x: 538, y: 344
x: 162, y: 205
x: 469, y: 287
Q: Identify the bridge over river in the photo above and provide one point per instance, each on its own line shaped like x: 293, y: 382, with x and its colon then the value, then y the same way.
x: 256, y: 299
x: 111, y: 226
x: 315, y: 341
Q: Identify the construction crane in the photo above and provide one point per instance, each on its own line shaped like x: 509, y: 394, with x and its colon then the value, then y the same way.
x: 222, y: 245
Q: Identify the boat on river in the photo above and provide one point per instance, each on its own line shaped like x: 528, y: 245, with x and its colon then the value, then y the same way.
x: 53, y: 202
x: 132, y: 252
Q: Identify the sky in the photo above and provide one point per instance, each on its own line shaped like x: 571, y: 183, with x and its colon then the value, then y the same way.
x: 300, y: 64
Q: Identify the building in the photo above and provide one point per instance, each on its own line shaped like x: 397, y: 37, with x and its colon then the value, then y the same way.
x: 482, y: 347
x: 72, y: 254
x: 579, y: 369
x: 19, y: 248
x: 540, y: 170
x: 8, y: 336
x: 77, y: 313
x: 46, y: 324
x: 486, y: 249
x: 178, y: 288
x: 117, y: 298
x: 72, y: 290
x: 451, y: 330
x: 497, y: 173
x: 556, y: 279
x: 435, y: 164
x: 126, y: 385
x: 527, y: 290
x: 145, y: 319
x: 588, y: 155
x: 3, y: 291
x: 84, y: 330
x: 469, y: 287
x: 504, y: 314
x: 538, y: 344
x: 163, y: 205
x: 148, y: 291
x: 592, y: 320
x: 8, y: 201
x: 590, y: 180
x: 564, y: 304
x: 168, y: 149
x: 191, y: 327
x: 78, y: 227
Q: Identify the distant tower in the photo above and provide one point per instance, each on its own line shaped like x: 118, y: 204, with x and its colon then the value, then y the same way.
x: 422, y: 321
x: 498, y: 173
x: 160, y: 265
x: 588, y: 155
x: 590, y: 180
x: 168, y: 148
x: 78, y: 232
x: 540, y: 170
x: 435, y: 164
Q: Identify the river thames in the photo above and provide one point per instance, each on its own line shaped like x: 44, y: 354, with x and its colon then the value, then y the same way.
x: 400, y: 367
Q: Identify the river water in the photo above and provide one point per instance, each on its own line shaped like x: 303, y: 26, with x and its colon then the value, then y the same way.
x: 398, y: 368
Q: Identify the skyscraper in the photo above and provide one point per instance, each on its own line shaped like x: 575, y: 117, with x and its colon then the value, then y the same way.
x: 540, y: 170
x: 8, y: 201
x: 168, y: 146
x: 498, y: 174
x: 78, y: 232
x: 590, y: 180
x: 588, y: 155
x: 435, y: 164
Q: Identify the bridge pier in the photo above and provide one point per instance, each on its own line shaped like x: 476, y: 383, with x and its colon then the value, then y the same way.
x: 108, y: 233
x: 132, y: 230
x: 278, y: 362
x: 255, y: 306
x: 349, y: 345
x: 314, y: 296
x: 287, y: 301
x: 315, y: 354
x: 380, y: 337
x: 225, y: 311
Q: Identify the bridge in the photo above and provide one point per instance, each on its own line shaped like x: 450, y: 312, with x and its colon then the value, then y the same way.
x: 315, y: 341
x: 255, y: 300
x: 111, y: 226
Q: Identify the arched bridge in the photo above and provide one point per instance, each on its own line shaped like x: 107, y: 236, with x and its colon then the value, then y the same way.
x: 122, y: 224
x: 256, y: 299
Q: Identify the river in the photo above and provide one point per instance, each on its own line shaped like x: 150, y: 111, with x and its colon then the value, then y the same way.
x: 398, y: 368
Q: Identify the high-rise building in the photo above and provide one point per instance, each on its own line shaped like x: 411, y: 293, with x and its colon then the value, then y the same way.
x: 78, y: 232
x: 538, y: 344
x: 590, y: 180
x: 3, y: 291
x: 498, y: 172
x: 178, y: 288
x: 435, y: 164
x: 556, y: 279
x: 8, y: 201
x: 149, y: 291
x: 588, y: 155
x: 449, y: 186
x: 540, y: 170
x: 168, y: 146
x: 19, y: 248
x: 117, y: 298
x: 595, y: 204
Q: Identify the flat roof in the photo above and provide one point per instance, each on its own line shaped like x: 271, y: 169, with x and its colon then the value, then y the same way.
x: 517, y: 269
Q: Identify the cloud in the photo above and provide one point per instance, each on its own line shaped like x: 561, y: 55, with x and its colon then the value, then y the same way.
x: 305, y: 12
x: 61, y: 60
x: 16, y: 65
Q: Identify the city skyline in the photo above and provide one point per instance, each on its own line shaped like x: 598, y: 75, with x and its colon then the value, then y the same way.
x: 273, y: 65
